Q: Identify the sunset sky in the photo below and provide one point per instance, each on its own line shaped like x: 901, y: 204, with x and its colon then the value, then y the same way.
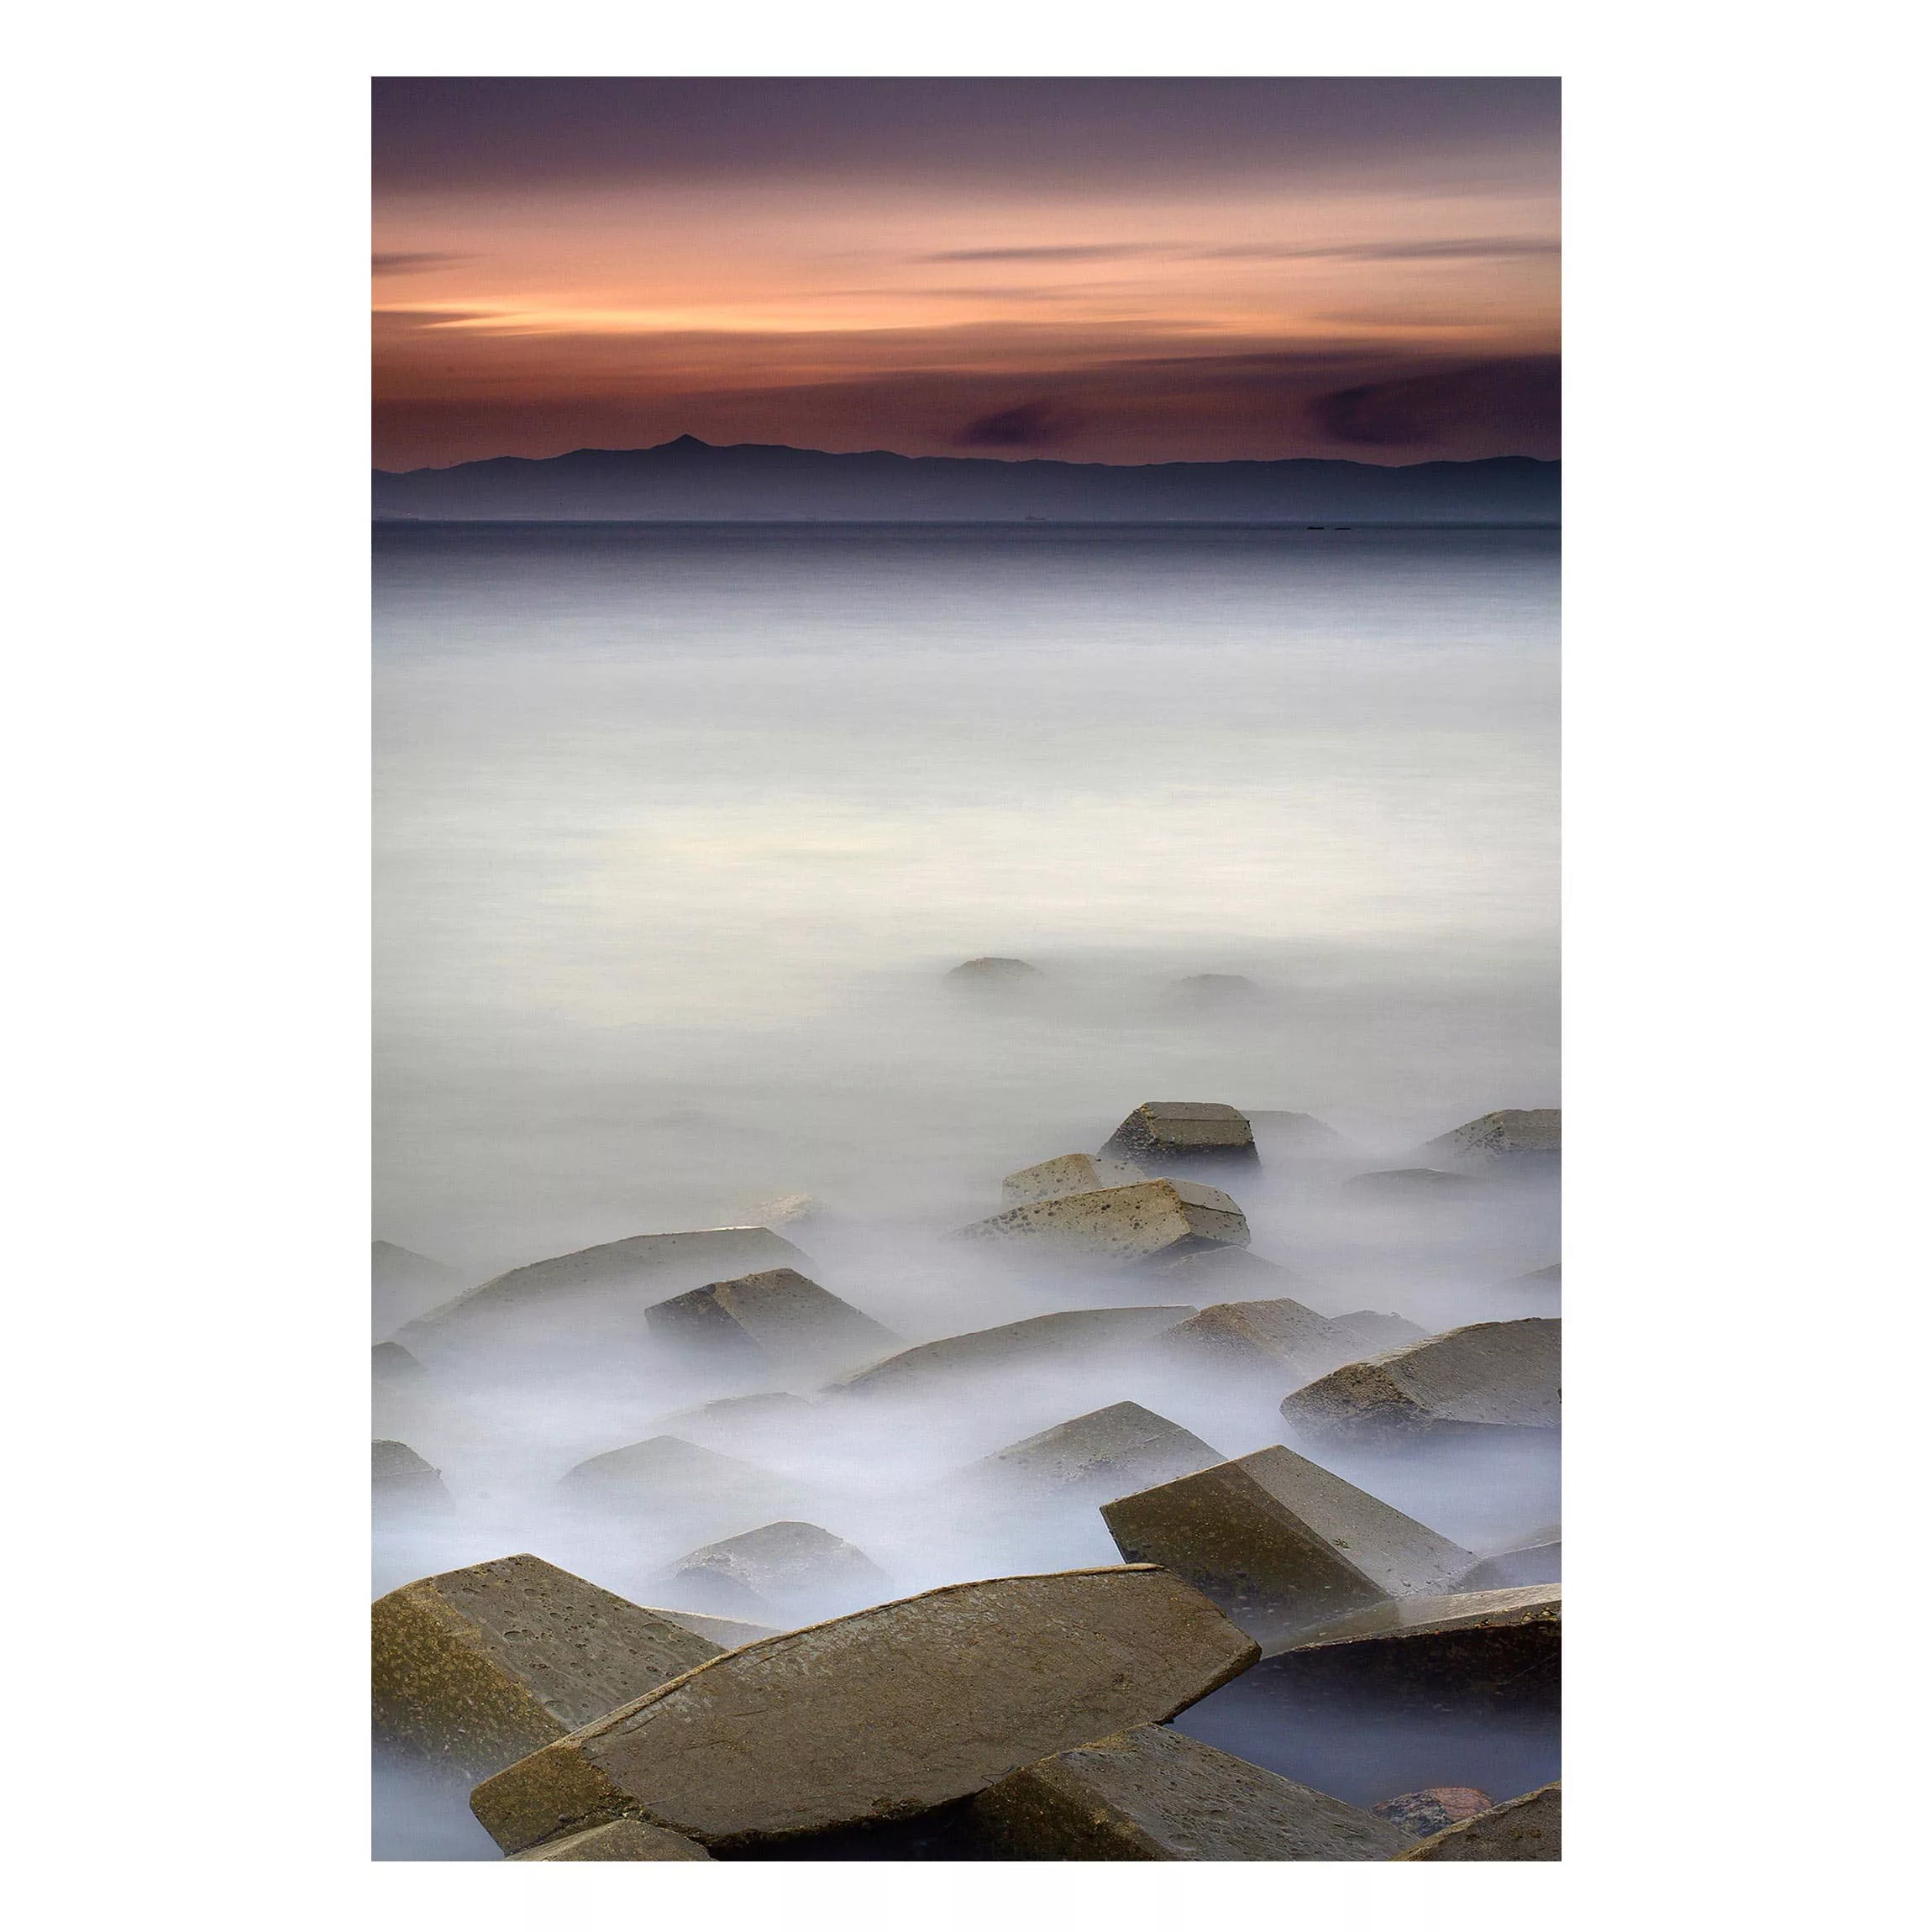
x: 1113, y: 271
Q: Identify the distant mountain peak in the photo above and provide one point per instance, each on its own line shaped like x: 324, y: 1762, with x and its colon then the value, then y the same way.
x: 684, y: 441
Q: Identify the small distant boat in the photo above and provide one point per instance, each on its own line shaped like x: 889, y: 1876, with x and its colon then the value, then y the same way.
x: 1318, y: 526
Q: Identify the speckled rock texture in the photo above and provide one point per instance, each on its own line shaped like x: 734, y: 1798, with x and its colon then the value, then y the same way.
x: 1161, y: 1134
x: 1150, y: 1793
x: 1067, y: 1174
x: 1080, y: 1335
x: 1137, y: 1223
x: 629, y: 1839
x: 1423, y: 1813
x: 778, y: 1315
x: 1095, y: 1457
x: 792, y: 1572
x: 477, y: 1669
x: 1280, y: 1340
x: 1510, y: 1136
x: 1281, y: 1544
x: 1378, y: 1333
x: 1526, y: 1828
x: 880, y: 1715
x: 1490, y: 1375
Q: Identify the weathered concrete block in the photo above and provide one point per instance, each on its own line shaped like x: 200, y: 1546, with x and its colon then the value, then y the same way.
x: 1482, y: 1646
x: 403, y: 1285
x: 791, y: 1572
x: 727, y: 1633
x: 880, y: 1715
x: 678, y: 1482
x: 1526, y: 1828
x: 1152, y: 1793
x: 1510, y: 1137
x: 1378, y: 1333
x: 778, y: 1315
x: 1207, y: 1275
x: 610, y: 1282
x: 1279, y: 1340
x: 1128, y: 1224
x: 393, y: 1368
x: 1065, y: 1174
x: 1081, y: 1336
x: 629, y: 1838
x: 1095, y: 1457
x: 1490, y: 1375
x: 1164, y: 1134
x: 1538, y: 1559
x: 477, y: 1668
x: 1423, y: 1813
x: 1295, y: 1135
x: 1282, y: 1545
x: 401, y: 1476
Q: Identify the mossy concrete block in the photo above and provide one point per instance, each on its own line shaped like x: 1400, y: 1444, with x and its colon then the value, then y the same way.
x: 1093, y: 1456
x: 1502, y: 1647
x: 1078, y: 1336
x: 1525, y: 1828
x: 1151, y: 1793
x: 629, y: 1839
x: 477, y: 1668
x: 1066, y: 1175
x: 597, y: 1286
x: 1281, y: 1544
x: 882, y: 1715
x: 795, y: 1570
x: 401, y: 1476
x: 1126, y: 1224
x: 1472, y: 1381
x: 777, y: 1315
x: 1161, y: 1134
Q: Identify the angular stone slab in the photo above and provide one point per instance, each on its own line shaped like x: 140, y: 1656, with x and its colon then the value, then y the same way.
x: 401, y: 1476
x: 1378, y: 1333
x: 629, y: 1838
x: 1281, y: 1340
x: 880, y: 1715
x: 1282, y: 1545
x: 404, y: 1285
x: 1526, y: 1828
x: 778, y: 1315
x: 1296, y: 1134
x: 393, y: 1366
x: 1152, y: 1793
x: 1500, y: 1646
x: 1095, y: 1457
x: 611, y: 1280
x: 1162, y: 1218
x: 782, y: 1568
x: 1538, y: 1559
x: 668, y: 1478
x: 1067, y: 1174
x: 1208, y: 1275
x: 1081, y: 1335
x: 1423, y: 1813
x: 477, y: 1668
x: 727, y: 1633
x: 1190, y: 1133
x: 1489, y: 1376
x: 1511, y: 1137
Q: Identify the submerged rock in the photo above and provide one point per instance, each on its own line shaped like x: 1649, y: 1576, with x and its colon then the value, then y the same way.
x: 1296, y: 1134
x: 1281, y: 1544
x: 1422, y: 1814
x: 880, y: 1715
x: 1164, y: 1134
x: 1530, y: 1827
x: 1154, y: 1794
x: 1215, y: 992
x: 401, y: 1476
x: 779, y: 1316
x: 1082, y: 1336
x: 1538, y: 1559
x: 1095, y: 1457
x: 1512, y: 1137
x: 1379, y: 1332
x: 394, y: 1367
x: 795, y: 1571
x: 1413, y: 1184
x: 993, y: 971
x: 404, y: 1285
x: 1489, y: 1376
x: 680, y: 1486
x: 1065, y: 1174
x: 623, y: 1837
x: 477, y: 1668
x: 1280, y: 1341
x: 1137, y: 1223
x: 1207, y: 1275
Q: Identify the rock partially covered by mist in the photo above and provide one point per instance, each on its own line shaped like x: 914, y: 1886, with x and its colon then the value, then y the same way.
x: 1299, y: 1135
x: 676, y: 1485
x: 1422, y: 1814
x: 1377, y: 1333
x: 1206, y: 1275
x: 794, y: 1573
x: 745, y: 1425
x: 1502, y: 1649
x: 1537, y: 1559
x: 1152, y: 1793
x: 995, y: 972
x: 1129, y: 1223
x: 1067, y: 1174
x: 1514, y: 1139
x: 881, y: 1715
x: 728, y: 1633
x: 1094, y: 1457
x: 1526, y: 1828
x: 1277, y: 1341
x: 1489, y: 1376
x: 477, y: 1668
x: 1282, y: 1545
x: 394, y: 1367
x: 1081, y: 1337
x: 598, y: 1291
x: 1413, y: 1184
x: 404, y: 1285
x: 1216, y: 993
x: 1161, y: 1135
x: 401, y: 1476
x: 779, y: 1317
x: 629, y: 1838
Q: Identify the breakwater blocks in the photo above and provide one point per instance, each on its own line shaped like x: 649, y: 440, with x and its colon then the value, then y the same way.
x: 1137, y: 1223
x: 1162, y: 1134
